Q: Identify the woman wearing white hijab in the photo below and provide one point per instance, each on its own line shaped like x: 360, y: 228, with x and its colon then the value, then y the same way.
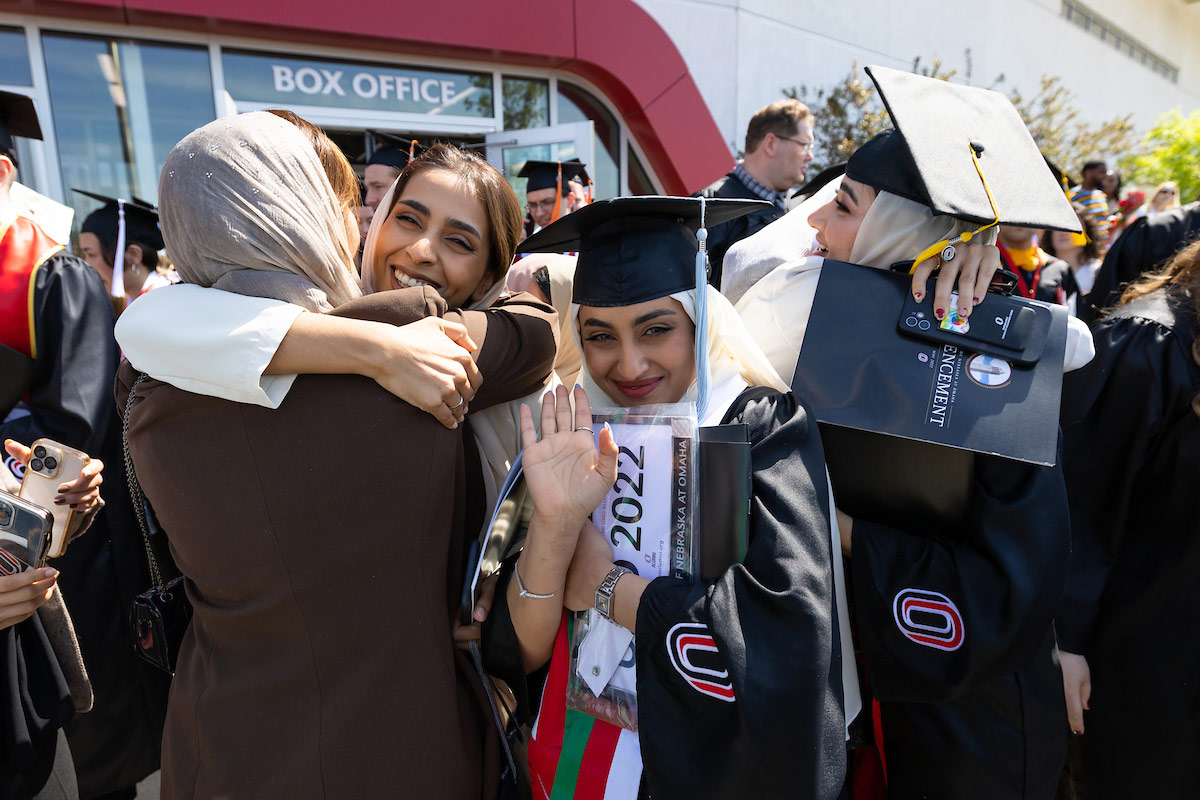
x: 764, y: 716
x: 980, y: 698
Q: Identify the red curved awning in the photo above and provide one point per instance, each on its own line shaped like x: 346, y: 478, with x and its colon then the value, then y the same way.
x: 614, y: 44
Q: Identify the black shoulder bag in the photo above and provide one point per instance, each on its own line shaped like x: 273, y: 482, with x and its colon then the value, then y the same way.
x: 161, y: 616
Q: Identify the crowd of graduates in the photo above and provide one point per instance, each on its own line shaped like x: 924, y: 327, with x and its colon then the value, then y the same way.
x: 326, y: 384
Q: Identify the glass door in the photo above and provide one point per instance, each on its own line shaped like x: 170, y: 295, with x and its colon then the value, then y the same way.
x: 509, y: 150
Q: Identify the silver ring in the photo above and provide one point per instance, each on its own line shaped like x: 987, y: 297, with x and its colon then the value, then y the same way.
x: 461, y: 400
x: 948, y: 253
x: 585, y: 428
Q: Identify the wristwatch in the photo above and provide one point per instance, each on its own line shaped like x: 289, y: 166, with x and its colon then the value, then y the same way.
x: 604, y: 591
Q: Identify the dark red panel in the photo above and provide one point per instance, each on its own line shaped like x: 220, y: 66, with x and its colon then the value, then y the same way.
x: 613, y: 44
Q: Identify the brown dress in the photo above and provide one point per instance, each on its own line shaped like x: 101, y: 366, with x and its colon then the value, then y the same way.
x: 323, y: 543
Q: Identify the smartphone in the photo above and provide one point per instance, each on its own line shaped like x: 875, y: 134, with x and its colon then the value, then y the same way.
x: 1011, y: 328
x: 52, y: 465
x: 24, y: 534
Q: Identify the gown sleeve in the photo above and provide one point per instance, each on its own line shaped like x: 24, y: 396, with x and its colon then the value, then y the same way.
x: 70, y: 397
x: 1112, y: 413
x: 739, y: 679
x: 209, y: 342
x: 939, y: 612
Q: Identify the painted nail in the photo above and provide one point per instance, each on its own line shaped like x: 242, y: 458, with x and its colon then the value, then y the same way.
x: 939, y: 313
x: 975, y: 300
x: 918, y: 295
x: 964, y: 312
x: 50, y: 572
x: 608, y: 428
x: 58, y: 501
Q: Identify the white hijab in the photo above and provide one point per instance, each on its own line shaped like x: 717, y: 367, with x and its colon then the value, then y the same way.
x: 733, y: 357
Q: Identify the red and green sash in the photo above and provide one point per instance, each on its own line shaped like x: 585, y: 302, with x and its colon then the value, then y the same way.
x: 572, y: 755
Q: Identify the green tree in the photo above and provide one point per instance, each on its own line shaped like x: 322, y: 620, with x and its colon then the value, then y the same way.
x: 849, y: 113
x: 1054, y: 120
x: 1170, y: 152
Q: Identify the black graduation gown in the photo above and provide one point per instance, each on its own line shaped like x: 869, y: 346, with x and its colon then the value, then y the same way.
x: 774, y: 623
x: 71, y: 401
x: 1132, y: 459
x: 955, y: 628
x: 1144, y: 246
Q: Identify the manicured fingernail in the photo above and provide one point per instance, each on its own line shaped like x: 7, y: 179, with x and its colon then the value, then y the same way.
x: 58, y: 501
x: 964, y: 312
x: 939, y: 313
x: 50, y: 572
x: 74, y: 505
x: 975, y: 300
x: 480, y: 613
x: 608, y: 428
x: 918, y: 295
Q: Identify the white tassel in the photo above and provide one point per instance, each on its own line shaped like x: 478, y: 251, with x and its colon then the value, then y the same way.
x: 118, y: 276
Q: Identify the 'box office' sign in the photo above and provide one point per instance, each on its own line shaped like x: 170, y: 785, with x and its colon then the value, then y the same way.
x: 260, y: 78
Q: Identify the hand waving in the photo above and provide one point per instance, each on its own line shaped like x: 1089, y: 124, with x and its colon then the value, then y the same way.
x: 567, y: 474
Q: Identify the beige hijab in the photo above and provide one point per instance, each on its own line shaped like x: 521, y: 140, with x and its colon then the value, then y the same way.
x: 246, y: 206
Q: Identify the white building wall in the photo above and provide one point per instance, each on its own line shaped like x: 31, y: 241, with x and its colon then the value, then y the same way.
x: 743, y: 53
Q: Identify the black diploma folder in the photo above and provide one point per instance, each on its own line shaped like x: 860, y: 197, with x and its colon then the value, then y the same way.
x: 903, y: 406
x: 723, y: 497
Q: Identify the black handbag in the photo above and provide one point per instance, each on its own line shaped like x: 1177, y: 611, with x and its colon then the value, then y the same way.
x: 160, y: 616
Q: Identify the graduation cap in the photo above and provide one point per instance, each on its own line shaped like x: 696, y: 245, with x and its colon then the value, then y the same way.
x: 397, y: 153
x: 18, y: 117
x: 962, y: 151
x: 551, y: 174
x: 119, y: 221
x: 635, y: 249
x: 583, y: 178
x: 823, y: 177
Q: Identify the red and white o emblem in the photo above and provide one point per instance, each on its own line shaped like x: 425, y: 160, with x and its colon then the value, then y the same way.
x: 928, y: 618
x: 9, y: 564
x: 695, y: 657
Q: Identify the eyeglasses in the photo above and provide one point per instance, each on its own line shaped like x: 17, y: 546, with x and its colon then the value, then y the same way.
x: 544, y: 205
x: 1166, y: 191
x: 805, y: 147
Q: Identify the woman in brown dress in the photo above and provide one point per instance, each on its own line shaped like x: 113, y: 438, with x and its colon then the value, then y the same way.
x: 323, y: 541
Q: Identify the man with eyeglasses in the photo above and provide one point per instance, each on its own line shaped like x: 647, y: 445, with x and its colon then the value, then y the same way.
x: 779, y: 142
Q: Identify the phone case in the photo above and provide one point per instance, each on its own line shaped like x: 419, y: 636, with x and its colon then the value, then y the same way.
x: 42, y: 480
x: 1011, y: 328
x: 24, y: 534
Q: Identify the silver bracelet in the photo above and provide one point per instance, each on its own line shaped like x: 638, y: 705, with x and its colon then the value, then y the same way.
x: 523, y: 592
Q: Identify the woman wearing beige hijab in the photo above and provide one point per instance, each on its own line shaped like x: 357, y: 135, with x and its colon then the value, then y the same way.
x: 322, y: 541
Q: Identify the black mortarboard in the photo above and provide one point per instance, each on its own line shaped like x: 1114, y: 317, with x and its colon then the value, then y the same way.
x: 581, y: 174
x: 634, y: 249
x: 18, y: 117
x: 927, y: 158
x: 141, y: 221
x: 823, y: 177
x: 389, y: 157
x: 544, y: 175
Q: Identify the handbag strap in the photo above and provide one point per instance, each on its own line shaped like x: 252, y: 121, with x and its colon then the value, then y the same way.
x: 135, y: 489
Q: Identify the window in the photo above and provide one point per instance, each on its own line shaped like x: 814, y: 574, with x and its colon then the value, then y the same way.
x: 526, y: 103
x: 119, y: 107
x: 14, y: 58
x: 639, y: 179
x: 576, y: 105
x: 1105, y: 31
